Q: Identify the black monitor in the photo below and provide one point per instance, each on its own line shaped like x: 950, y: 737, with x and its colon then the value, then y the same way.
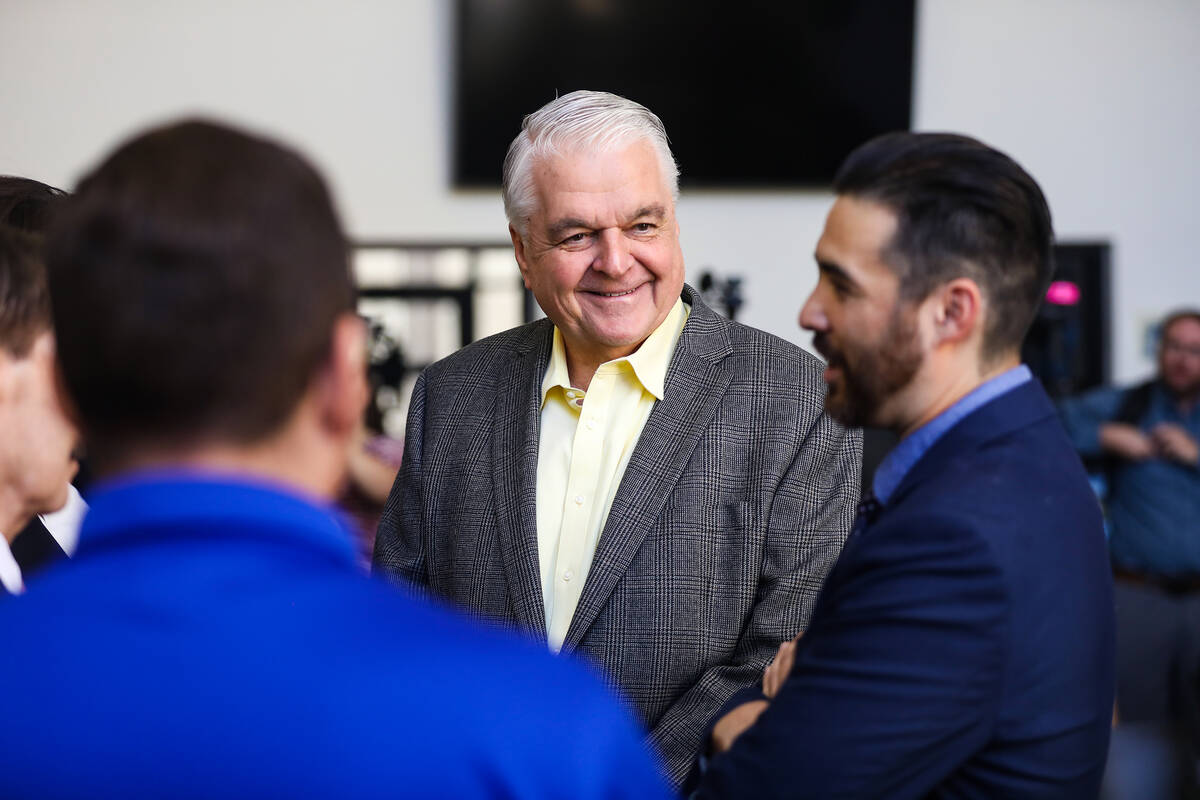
x: 1068, y: 344
x: 753, y: 93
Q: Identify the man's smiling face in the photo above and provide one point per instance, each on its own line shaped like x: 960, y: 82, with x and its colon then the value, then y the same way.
x: 601, y: 253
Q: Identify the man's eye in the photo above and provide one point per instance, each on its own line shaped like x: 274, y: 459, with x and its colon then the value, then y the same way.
x: 575, y: 238
x: 644, y: 227
x: 840, y: 288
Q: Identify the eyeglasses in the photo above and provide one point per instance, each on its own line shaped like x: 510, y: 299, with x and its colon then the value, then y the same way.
x: 1174, y: 346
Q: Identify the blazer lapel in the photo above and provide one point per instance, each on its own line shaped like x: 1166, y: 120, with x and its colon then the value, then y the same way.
x: 514, y: 478
x: 34, y: 547
x: 696, y: 383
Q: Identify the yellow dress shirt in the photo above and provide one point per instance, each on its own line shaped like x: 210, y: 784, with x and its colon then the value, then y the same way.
x: 585, y: 442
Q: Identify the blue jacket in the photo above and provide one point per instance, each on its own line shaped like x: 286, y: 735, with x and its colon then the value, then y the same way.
x: 963, y: 644
x: 1153, y: 505
x: 216, y: 639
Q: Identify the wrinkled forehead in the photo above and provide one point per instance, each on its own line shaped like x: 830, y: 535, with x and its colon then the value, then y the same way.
x: 568, y: 164
x: 608, y: 184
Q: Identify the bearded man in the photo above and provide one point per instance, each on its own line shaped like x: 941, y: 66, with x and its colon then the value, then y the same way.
x: 962, y: 646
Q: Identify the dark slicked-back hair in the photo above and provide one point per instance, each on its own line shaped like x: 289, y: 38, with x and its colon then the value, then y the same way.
x: 196, y: 276
x: 963, y: 210
x: 28, y: 205
x: 24, y: 300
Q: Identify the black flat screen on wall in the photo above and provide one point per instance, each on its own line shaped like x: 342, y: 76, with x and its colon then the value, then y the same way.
x: 754, y: 93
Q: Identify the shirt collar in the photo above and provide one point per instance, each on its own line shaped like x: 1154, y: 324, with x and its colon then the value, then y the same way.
x: 557, y: 373
x: 649, y: 362
x: 908, y: 452
x: 10, y: 571
x: 163, y: 502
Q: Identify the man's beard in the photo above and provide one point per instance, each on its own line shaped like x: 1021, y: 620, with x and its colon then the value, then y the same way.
x: 870, y: 375
x: 1182, y: 388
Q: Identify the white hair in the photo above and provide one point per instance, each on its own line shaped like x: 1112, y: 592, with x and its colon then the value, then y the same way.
x: 593, y: 121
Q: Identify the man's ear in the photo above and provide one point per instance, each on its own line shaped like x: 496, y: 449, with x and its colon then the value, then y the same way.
x: 957, y: 311
x: 519, y: 252
x: 343, y: 390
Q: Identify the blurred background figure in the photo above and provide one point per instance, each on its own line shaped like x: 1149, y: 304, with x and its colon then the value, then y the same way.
x: 1141, y: 444
x: 43, y: 510
x: 373, y: 457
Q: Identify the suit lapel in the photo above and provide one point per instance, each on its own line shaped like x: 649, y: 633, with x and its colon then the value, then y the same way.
x: 34, y: 547
x: 514, y: 456
x: 1023, y: 406
x: 696, y: 383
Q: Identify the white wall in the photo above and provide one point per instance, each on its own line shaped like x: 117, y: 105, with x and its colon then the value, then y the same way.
x: 1096, y: 98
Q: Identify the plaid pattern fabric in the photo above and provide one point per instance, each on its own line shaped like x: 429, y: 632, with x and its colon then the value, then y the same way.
x: 733, y: 507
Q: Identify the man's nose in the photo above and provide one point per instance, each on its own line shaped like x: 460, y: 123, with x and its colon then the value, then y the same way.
x: 812, y: 314
x: 612, y: 255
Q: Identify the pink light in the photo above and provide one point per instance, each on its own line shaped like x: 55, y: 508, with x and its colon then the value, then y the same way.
x: 1062, y: 293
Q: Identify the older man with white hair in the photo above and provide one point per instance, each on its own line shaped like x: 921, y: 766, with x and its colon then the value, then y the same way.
x: 634, y: 479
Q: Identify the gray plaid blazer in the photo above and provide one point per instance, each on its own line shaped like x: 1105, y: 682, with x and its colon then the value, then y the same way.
x: 733, y: 507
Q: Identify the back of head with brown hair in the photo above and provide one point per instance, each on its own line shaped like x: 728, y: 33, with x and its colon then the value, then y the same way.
x: 28, y: 205
x: 196, y: 276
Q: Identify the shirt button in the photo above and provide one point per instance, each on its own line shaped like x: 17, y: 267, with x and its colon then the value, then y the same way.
x: 578, y: 499
x: 567, y: 575
x: 591, y: 424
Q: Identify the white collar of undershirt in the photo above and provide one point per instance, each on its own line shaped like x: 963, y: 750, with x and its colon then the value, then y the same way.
x: 63, y: 525
x: 10, y: 573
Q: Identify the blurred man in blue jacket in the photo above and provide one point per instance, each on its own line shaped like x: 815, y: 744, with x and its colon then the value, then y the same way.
x: 213, y: 635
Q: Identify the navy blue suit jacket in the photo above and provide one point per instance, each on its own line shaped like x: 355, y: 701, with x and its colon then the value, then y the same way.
x: 963, y: 644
